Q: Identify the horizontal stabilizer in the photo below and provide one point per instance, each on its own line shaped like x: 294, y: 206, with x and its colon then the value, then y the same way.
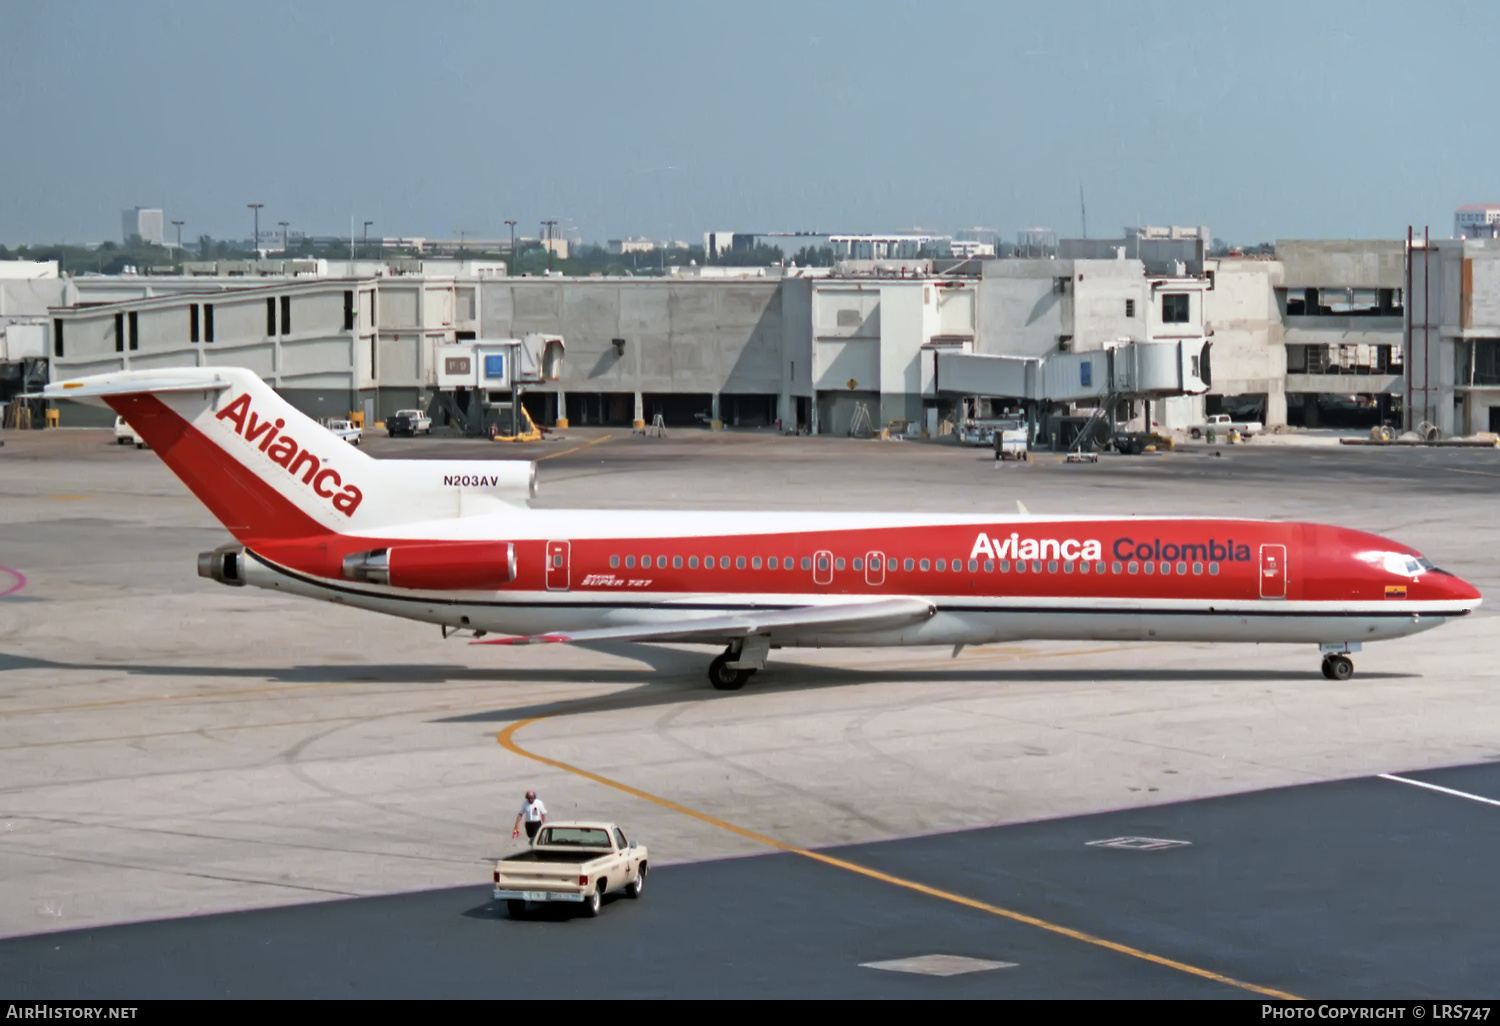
x: 135, y: 383
x: 883, y: 614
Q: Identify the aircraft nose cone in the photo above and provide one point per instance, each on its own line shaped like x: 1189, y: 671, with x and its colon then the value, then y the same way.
x: 1462, y: 591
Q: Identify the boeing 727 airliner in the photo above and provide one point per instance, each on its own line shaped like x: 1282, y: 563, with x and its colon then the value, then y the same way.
x: 455, y: 543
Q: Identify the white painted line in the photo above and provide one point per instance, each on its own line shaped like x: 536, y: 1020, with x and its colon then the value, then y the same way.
x: 938, y: 965
x: 1443, y: 790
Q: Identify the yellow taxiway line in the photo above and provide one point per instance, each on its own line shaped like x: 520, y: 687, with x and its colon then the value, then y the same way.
x: 507, y: 740
x: 576, y: 448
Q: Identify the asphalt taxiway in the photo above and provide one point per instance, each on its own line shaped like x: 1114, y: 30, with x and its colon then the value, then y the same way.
x: 1366, y: 888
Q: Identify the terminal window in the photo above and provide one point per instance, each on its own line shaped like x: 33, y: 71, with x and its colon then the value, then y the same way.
x: 1129, y: 308
x: 1174, y: 308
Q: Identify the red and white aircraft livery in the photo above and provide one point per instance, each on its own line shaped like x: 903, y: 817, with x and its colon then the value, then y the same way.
x: 454, y: 542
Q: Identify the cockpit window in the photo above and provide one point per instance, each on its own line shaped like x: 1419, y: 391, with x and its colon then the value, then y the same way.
x: 1406, y: 565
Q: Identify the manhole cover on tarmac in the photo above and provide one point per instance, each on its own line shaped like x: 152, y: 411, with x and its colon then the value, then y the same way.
x: 938, y: 965
x: 1139, y: 843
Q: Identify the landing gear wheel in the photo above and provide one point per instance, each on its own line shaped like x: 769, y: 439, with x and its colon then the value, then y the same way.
x: 1338, y: 667
x: 635, y: 889
x: 725, y: 678
x: 593, y: 903
x: 515, y: 908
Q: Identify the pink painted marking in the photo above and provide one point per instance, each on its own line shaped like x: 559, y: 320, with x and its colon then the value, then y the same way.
x: 17, y: 586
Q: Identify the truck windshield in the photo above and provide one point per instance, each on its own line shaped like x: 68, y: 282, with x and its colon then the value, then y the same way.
x: 574, y: 837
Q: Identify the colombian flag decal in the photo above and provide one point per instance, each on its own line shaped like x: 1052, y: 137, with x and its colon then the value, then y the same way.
x: 1395, y: 591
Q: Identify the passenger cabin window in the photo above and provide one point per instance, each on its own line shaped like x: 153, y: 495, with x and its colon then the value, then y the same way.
x: 614, y: 561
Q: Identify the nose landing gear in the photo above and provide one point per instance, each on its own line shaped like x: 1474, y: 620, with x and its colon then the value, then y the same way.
x: 1336, y: 662
x: 1338, y: 667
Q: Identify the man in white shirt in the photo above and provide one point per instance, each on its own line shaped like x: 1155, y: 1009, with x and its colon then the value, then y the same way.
x: 533, y: 813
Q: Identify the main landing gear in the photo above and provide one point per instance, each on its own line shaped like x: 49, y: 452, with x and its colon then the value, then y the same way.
x: 1336, y: 662
x: 725, y: 677
x: 730, y: 671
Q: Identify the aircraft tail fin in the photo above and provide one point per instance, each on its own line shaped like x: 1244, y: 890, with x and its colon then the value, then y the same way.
x: 269, y: 472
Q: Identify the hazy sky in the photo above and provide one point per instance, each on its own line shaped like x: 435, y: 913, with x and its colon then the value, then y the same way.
x: 1262, y: 120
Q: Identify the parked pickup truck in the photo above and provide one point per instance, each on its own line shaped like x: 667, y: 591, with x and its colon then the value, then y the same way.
x: 577, y: 862
x: 1222, y: 423
x: 408, y: 422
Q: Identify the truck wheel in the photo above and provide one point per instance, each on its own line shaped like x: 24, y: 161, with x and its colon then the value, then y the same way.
x: 635, y: 889
x: 593, y: 902
x: 515, y: 908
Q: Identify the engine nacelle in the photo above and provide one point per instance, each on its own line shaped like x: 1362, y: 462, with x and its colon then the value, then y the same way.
x: 436, y: 566
x: 224, y: 564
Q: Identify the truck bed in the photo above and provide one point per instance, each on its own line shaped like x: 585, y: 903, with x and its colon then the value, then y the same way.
x: 578, y: 858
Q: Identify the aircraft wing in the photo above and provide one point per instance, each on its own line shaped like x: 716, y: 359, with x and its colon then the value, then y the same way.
x: 778, y: 623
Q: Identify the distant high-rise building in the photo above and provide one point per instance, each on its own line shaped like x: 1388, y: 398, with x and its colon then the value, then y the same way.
x: 1477, y: 221
x: 148, y: 224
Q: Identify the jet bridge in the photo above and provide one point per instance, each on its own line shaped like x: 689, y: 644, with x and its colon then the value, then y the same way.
x: 1126, y: 370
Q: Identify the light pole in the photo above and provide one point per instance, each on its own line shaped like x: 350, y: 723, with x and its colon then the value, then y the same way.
x: 283, y: 236
x: 461, y: 234
x: 512, y: 255
x: 366, y: 244
x: 178, y: 226
x: 255, y: 241
x: 548, y: 226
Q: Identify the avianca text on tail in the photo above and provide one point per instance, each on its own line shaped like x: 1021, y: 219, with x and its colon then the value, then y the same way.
x: 457, y: 545
x: 284, y: 451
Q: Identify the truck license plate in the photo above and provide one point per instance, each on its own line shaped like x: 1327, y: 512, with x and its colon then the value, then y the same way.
x: 537, y: 895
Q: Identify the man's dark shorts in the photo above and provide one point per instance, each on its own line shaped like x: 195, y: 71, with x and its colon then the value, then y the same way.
x: 531, y: 829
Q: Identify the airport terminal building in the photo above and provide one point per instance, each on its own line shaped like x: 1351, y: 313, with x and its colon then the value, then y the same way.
x: 1338, y: 333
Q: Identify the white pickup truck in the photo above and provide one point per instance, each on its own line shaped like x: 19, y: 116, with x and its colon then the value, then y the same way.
x: 1222, y: 423
x: 408, y: 422
x: 575, y: 862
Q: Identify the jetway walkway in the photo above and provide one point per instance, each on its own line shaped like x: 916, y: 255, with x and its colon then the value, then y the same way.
x: 1124, y: 370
